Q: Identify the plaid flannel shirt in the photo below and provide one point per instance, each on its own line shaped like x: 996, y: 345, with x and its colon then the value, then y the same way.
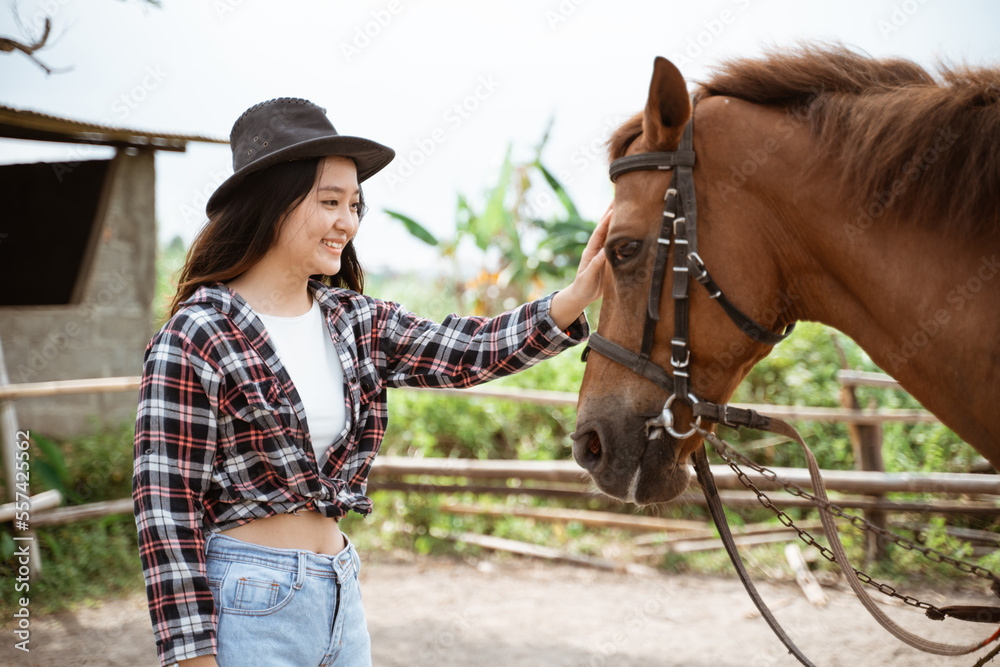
x: 221, y: 436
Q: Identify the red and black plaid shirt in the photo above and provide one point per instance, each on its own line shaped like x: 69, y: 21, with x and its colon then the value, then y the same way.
x: 221, y: 436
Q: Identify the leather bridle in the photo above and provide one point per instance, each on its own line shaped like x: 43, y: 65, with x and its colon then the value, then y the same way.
x: 680, y: 229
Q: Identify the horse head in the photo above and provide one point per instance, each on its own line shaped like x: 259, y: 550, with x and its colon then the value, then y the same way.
x: 621, y: 436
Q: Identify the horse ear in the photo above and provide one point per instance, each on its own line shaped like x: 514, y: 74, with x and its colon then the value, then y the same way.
x: 668, y: 108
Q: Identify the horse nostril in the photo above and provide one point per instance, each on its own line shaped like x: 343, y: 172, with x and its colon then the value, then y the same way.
x: 591, y: 454
x: 594, y: 446
x: 587, y: 449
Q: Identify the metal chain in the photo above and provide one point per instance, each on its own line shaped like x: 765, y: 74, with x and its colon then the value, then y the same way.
x: 859, y: 522
x: 726, y: 451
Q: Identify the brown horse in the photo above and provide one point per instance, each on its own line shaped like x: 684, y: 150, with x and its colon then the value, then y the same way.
x: 831, y: 187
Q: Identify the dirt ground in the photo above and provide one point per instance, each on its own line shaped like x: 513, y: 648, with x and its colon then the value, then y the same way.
x: 515, y: 612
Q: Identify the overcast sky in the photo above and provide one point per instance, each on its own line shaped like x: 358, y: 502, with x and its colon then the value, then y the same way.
x: 448, y: 84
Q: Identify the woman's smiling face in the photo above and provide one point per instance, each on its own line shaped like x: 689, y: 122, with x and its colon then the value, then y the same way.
x: 314, y: 233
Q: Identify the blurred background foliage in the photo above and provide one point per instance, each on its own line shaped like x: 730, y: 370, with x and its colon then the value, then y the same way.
x: 85, y: 560
x: 519, y: 250
x: 529, y: 235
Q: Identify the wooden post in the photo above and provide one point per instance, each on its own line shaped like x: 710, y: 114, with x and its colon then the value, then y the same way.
x: 8, y: 443
x: 807, y: 582
x: 866, y: 441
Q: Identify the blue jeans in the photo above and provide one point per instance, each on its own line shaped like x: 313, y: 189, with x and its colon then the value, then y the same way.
x: 286, y: 607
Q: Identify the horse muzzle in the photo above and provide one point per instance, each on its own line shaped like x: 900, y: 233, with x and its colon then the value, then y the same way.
x: 637, y: 461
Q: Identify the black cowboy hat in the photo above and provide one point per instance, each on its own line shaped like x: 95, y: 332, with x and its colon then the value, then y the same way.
x: 289, y: 128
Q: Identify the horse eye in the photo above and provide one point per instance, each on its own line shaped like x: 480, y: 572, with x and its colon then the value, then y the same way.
x: 625, y: 250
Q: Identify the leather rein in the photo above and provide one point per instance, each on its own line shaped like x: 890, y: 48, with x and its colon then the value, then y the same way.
x: 679, y: 228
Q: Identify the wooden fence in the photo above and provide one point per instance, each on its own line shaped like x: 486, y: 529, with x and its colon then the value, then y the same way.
x: 863, y: 489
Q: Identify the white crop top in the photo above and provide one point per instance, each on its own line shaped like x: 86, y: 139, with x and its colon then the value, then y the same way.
x: 306, y: 350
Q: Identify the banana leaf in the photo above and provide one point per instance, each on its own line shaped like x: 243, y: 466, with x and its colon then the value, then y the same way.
x: 560, y: 191
x: 413, y: 227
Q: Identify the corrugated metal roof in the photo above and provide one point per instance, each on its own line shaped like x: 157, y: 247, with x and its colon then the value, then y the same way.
x: 38, y: 126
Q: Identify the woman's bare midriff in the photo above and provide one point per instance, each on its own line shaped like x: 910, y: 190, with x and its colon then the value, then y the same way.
x: 306, y: 530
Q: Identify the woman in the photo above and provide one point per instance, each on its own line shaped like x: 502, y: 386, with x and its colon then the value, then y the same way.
x: 263, y: 399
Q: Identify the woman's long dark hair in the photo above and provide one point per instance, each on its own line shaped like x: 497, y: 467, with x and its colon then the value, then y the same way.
x: 243, y: 228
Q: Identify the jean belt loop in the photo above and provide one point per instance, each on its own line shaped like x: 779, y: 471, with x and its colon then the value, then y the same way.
x: 300, y: 576
x: 208, y: 540
x: 346, y: 562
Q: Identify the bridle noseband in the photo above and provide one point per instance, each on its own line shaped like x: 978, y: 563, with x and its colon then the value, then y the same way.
x: 680, y: 229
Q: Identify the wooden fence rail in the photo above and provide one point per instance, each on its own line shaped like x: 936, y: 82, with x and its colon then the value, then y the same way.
x: 390, y: 472
x: 845, y: 481
x: 536, y: 396
x: 799, y: 412
x: 742, y: 499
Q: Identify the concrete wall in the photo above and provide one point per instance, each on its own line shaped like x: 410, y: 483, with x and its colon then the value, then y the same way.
x: 104, y: 335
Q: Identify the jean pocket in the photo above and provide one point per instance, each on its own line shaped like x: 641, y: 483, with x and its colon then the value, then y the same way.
x: 250, y: 589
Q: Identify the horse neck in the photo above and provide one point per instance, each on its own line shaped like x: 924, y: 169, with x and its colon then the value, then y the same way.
x: 922, y: 302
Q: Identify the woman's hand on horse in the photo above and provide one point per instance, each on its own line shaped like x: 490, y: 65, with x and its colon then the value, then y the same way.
x: 587, y: 287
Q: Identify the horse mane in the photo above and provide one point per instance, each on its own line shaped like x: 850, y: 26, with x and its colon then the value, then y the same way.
x: 885, y: 123
x: 623, y: 137
x: 880, y: 123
